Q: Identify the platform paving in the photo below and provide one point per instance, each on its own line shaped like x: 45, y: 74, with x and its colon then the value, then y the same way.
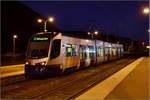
x: 130, y: 83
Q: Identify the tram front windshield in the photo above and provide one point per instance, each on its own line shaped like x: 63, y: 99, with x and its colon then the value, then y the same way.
x: 38, y: 47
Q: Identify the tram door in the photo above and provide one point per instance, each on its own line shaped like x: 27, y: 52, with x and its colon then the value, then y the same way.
x: 84, y: 56
x: 100, y: 54
x: 70, y: 58
x: 92, y: 55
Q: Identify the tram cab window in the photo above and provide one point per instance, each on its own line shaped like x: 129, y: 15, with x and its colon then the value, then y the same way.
x: 38, y: 49
x: 55, y: 49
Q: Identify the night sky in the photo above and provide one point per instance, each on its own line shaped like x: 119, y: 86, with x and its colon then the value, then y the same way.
x: 118, y: 18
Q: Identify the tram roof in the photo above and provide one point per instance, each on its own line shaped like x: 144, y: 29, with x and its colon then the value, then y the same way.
x: 77, y: 34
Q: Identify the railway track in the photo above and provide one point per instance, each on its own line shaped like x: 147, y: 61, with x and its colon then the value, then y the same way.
x: 87, y: 82
x: 65, y: 86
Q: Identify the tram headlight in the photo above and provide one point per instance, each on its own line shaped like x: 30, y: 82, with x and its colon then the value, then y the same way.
x: 43, y: 63
x: 27, y: 63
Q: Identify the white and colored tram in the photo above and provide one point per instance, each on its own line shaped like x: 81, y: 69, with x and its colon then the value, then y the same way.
x: 56, y: 52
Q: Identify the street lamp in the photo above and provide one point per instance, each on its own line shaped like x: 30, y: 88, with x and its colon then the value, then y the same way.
x: 50, y: 19
x: 39, y: 20
x: 96, y: 32
x: 93, y: 33
x: 148, y: 30
x: 14, y: 37
x: 89, y: 33
x: 146, y: 10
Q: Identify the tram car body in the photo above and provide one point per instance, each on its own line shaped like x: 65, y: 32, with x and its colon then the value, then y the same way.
x: 54, y: 52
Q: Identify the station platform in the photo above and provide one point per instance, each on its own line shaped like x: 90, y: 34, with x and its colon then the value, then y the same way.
x: 130, y: 83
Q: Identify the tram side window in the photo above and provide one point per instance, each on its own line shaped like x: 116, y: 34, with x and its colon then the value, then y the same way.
x: 68, y: 51
x: 71, y: 50
x: 55, y: 51
x: 106, y: 51
x: 100, y: 51
x: 86, y: 52
x: 110, y: 51
x: 91, y: 51
x: 119, y: 51
x: 74, y: 48
x: 81, y: 52
x: 114, y: 51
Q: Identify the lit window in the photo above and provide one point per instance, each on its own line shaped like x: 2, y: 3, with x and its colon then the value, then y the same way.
x: 71, y: 50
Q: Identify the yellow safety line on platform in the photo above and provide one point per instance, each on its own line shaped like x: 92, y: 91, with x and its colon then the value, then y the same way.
x: 11, y: 70
x: 100, y: 91
x: 4, y: 67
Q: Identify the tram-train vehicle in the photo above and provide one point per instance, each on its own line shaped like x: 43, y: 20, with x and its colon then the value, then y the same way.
x: 52, y: 52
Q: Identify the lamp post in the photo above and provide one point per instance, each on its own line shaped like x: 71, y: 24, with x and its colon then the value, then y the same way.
x: 14, y: 44
x: 50, y: 19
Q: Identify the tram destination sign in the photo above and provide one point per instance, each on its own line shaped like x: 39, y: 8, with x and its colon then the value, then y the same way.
x: 40, y: 38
